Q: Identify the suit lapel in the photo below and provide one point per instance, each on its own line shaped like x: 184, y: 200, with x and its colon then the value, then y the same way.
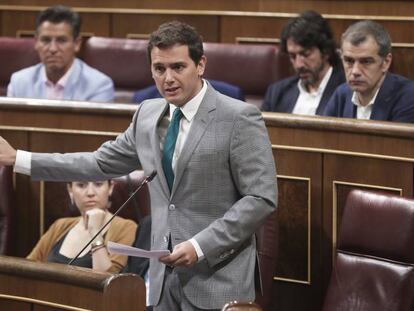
x: 350, y: 108
x: 201, y: 121
x: 291, y: 98
x: 335, y: 80
x: 382, y: 106
x: 155, y: 143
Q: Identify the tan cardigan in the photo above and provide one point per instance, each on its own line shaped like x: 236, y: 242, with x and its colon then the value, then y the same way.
x: 120, y: 231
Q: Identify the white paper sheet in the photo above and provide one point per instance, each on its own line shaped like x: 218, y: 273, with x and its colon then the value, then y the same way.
x: 134, y: 251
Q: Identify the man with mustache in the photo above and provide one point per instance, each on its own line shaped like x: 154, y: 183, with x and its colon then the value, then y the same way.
x: 371, y: 92
x: 309, y: 42
x: 60, y: 75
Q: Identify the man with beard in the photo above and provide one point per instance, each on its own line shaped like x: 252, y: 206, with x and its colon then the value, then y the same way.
x: 309, y: 42
x: 371, y: 92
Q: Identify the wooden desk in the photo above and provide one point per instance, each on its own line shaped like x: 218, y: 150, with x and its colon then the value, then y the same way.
x: 33, y: 286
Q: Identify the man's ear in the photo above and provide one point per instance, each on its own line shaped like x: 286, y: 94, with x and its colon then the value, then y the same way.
x: 201, y: 65
x: 387, y: 62
x: 78, y: 44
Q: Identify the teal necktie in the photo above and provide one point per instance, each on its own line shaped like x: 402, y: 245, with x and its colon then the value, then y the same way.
x: 169, y: 146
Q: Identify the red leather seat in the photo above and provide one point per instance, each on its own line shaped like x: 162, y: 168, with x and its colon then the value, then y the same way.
x: 124, y: 60
x: 252, y: 67
x: 374, y: 268
x: 16, y: 54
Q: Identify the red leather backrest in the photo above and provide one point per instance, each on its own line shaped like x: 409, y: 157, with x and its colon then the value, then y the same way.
x: 252, y: 67
x: 378, y: 225
x: 124, y: 60
x: 15, y: 54
x: 374, y: 267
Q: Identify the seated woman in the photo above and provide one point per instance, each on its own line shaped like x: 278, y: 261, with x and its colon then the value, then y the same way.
x: 67, y: 236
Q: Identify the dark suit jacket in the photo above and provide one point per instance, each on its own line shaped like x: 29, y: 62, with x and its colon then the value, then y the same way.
x: 223, y: 87
x: 139, y: 265
x: 282, y: 95
x: 394, y: 102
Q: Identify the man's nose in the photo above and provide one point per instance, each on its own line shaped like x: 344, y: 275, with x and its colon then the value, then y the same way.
x: 169, y: 75
x: 298, y: 62
x: 356, y: 69
x: 53, y: 46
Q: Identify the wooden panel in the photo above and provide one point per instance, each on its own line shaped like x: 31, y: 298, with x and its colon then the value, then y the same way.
x: 14, y: 21
x: 127, y: 24
x: 247, y: 26
x: 245, y: 5
x: 62, y: 287
x: 300, y: 244
x: 352, y: 7
x: 66, y: 115
x: 96, y: 24
x: 294, y: 229
x: 7, y: 304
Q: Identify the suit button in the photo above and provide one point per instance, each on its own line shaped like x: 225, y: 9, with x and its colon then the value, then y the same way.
x: 171, y: 207
x: 165, y: 238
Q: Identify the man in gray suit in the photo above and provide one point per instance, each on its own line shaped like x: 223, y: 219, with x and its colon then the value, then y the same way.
x: 216, y: 180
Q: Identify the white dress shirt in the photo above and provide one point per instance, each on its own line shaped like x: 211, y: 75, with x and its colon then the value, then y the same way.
x: 308, y: 102
x: 364, y: 112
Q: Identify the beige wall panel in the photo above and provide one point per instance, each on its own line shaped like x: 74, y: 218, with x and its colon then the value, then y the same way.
x: 14, y: 22
x: 300, y: 240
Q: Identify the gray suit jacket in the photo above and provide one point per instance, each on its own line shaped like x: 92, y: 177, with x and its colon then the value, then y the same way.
x: 225, y: 186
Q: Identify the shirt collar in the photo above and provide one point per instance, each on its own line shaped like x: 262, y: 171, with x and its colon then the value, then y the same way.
x: 355, y: 99
x: 191, y: 107
x: 322, y: 85
x: 62, y: 81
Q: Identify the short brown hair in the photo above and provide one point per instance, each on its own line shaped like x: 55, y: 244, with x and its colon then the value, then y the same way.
x: 177, y: 33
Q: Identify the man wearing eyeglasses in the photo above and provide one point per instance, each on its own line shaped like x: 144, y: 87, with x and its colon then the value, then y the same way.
x: 60, y: 75
x: 309, y: 42
x: 371, y: 92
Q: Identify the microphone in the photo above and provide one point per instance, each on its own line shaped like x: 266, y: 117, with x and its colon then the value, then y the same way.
x: 147, y: 179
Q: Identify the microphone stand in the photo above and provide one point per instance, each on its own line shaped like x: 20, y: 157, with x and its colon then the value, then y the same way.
x: 147, y: 179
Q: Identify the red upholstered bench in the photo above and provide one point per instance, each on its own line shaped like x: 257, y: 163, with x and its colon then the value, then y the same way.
x: 15, y: 54
x: 251, y: 67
